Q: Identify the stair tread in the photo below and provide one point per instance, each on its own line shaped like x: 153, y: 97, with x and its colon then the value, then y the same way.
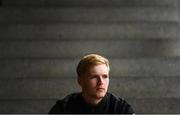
x: 87, y: 3
x: 132, y: 67
x: 152, y: 87
x: 73, y: 49
x: 87, y: 15
x: 91, y: 31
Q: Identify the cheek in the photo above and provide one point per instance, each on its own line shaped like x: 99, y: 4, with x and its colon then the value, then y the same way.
x: 107, y: 82
x: 92, y: 83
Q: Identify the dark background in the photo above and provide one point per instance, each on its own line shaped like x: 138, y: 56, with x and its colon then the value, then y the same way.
x: 41, y: 42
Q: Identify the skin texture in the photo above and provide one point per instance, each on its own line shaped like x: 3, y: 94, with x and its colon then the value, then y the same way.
x: 94, y: 83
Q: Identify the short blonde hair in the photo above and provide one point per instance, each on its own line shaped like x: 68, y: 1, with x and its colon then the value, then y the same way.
x: 90, y: 60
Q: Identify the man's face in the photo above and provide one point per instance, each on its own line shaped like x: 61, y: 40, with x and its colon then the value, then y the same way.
x: 95, y: 81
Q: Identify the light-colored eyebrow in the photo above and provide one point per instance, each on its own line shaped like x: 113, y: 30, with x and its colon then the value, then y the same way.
x: 97, y: 74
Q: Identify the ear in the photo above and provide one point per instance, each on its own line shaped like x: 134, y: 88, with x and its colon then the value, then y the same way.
x: 79, y: 80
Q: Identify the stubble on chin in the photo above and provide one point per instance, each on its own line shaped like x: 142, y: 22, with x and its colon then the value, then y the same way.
x: 100, y: 95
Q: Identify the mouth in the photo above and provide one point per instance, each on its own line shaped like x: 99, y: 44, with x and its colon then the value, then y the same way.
x: 100, y: 89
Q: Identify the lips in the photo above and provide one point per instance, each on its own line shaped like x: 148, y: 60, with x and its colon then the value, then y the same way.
x: 100, y: 89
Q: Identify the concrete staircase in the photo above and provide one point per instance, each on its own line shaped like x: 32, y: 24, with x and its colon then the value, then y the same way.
x: 41, y: 42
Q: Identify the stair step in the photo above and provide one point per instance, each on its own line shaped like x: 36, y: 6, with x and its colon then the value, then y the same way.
x: 139, y: 87
x: 73, y: 49
x: 90, y: 31
x: 86, y: 3
x: 141, y: 105
x: 26, y: 106
x: 59, y: 68
x: 156, y: 105
x: 36, y: 89
x: 87, y: 15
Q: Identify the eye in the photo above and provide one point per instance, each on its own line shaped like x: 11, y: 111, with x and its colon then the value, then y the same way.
x: 93, y: 77
x: 105, y: 76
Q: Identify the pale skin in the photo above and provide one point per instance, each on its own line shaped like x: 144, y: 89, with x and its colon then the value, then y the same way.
x: 94, y: 83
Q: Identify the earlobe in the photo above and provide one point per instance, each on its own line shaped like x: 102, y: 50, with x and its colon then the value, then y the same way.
x: 79, y: 80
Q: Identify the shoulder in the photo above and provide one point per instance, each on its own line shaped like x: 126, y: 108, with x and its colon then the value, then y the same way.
x: 115, y: 98
x: 120, y: 105
x: 70, y: 97
x: 61, y: 105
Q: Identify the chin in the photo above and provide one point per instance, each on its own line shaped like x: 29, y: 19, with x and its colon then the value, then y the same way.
x: 100, y: 94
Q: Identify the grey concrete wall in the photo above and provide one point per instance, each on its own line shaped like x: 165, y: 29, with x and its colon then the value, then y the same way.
x: 41, y: 42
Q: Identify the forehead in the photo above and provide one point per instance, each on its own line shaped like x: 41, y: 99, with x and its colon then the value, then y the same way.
x: 98, y: 69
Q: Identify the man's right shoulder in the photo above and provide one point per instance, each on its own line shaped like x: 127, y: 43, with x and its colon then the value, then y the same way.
x: 62, y: 104
x: 70, y: 97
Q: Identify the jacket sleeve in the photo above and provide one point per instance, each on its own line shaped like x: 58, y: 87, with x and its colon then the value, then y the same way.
x: 129, y: 110
x: 124, y: 108
x: 57, y: 108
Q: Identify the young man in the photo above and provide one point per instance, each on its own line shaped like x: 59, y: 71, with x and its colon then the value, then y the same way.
x: 93, y: 77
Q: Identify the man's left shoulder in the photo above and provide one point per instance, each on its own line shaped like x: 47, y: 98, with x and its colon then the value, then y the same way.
x: 120, y: 104
x: 113, y: 97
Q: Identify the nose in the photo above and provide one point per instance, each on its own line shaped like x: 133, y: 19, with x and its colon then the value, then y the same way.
x: 100, y: 80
